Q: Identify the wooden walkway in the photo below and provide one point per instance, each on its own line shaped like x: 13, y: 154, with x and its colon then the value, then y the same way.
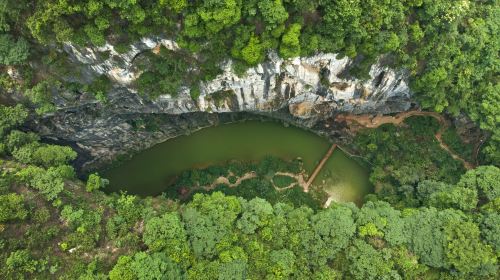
x: 319, y: 167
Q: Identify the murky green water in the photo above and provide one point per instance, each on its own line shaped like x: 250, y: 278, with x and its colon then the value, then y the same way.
x: 151, y: 171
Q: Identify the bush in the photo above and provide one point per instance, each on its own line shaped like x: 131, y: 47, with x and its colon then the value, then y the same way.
x: 44, y: 155
x: 41, y: 96
x: 13, y: 51
x: 453, y: 140
x: 95, y: 182
x: 12, y: 207
x: 49, y: 182
x: 232, y: 179
x: 18, y: 139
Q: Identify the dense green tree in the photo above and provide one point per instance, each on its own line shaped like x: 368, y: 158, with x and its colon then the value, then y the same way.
x: 12, y: 207
x: 368, y: 263
x: 407, y: 264
x: 256, y: 214
x: 215, y: 15
x: 17, y: 139
x: 41, y: 96
x: 154, y: 266
x: 483, y: 179
x: 441, y: 195
x: 331, y: 231
x: 253, y: 52
x: 465, y: 251
x: 175, y: 5
x: 95, y: 182
x: 123, y: 270
x: 167, y: 233
x: 236, y: 269
x: 208, y: 221
x: 273, y: 12
x: 19, y: 263
x: 282, y: 264
x: 424, y: 229
x: 49, y: 182
x: 53, y: 155
x: 490, y: 230
x: 13, y: 51
x: 379, y: 219
x: 11, y: 117
x: 44, y: 155
x: 290, y: 45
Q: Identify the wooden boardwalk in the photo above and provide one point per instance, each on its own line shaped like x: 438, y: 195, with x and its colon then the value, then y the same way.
x: 319, y: 167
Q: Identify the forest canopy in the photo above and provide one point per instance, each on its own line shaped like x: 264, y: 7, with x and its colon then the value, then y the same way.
x: 438, y: 222
x: 430, y: 219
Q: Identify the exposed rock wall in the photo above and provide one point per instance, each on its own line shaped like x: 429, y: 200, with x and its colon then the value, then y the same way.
x: 307, y: 92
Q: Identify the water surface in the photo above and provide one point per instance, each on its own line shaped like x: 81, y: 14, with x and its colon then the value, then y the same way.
x: 151, y: 171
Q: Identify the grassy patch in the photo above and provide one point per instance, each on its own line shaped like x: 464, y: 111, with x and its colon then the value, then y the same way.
x: 283, y: 181
x: 455, y: 143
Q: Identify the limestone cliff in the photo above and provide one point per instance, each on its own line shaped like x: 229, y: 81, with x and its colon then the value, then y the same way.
x: 307, y: 92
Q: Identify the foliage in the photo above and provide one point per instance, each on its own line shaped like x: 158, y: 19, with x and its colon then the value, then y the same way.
x: 11, y: 117
x: 166, y: 233
x: 490, y: 229
x: 17, y: 139
x: 44, y: 155
x: 426, y: 238
x: 20, y: 262
x: 453, y: 140
x: 290, y: 45
x: 95, y: 182
x: 12, y: 207
x: 396, y: 155
x: 49, y: 182
x: 165, y: 73
x: 485, y: 180
x: 263, y: 185
x: 441, y: 195
x: 218, y: 236
x: 41, y: 96
x: 13, y: 51
x: 436, y: 223
x: 367, y: 263
x: 99, y: 87
x: 379, y: 219
x: 465, y: 251
x: 283, y: 181
x: 154, y: 266
x: 252, y: 53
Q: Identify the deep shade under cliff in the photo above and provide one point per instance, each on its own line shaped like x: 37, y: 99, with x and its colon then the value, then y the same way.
x: 151, y: 171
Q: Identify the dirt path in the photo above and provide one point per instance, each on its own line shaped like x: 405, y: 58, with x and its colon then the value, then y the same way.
x: 225, y: 180
x: 298, y: 177
x: 370, y: 121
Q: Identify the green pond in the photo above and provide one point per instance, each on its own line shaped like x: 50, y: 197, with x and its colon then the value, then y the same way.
x: 151, y: 171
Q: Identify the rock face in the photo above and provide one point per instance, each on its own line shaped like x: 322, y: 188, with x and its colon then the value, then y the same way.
x: 307, y: 92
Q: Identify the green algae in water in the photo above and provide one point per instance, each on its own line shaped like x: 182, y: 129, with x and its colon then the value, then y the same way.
x: 151, y: 171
